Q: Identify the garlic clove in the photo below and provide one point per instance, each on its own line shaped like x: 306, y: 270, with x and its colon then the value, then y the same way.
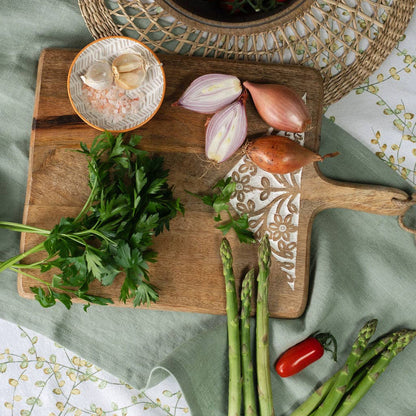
x: 98, y: 76
x: 129, y: 70
x: 127, y: 62
x: 130, y: 80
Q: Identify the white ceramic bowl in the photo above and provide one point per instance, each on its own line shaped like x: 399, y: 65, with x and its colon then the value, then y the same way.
x: 140, y: 104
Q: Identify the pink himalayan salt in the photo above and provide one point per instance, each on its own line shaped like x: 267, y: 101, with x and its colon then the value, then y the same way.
x: 112, y: 103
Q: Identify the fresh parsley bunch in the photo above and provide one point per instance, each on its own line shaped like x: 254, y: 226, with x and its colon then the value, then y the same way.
x: 130, y: 202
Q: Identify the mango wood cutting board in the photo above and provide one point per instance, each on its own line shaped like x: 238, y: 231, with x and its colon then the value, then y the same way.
x: 188, y: 273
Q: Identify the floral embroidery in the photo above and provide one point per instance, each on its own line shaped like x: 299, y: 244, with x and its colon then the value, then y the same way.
x: 393, y: 139
x: 61, y: 383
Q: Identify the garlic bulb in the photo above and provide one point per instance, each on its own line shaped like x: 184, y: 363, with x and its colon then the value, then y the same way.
x: 129, y: 71
x: 98, y: 76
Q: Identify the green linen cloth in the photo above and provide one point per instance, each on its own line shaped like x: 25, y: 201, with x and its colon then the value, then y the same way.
x: 362, y: 265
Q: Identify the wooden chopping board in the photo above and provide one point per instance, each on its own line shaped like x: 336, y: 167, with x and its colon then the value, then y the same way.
x: 188, y: 273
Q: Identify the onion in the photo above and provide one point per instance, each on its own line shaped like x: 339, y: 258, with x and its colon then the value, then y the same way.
x: 210, y: 93
x: 226, y: 131
x: 279, y: 154
x: 280, y: 107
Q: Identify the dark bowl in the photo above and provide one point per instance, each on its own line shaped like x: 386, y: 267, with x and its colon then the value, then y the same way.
x: 207, y: 15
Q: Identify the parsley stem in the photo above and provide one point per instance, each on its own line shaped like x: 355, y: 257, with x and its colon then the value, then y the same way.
x: 8, y: 263
x: 75, y: 238
x: 31, y: 276
x: 36, y: 265
x: 94, y: 232
x: 21, y: 228
x: 48, y: 284
x: 88, y: 202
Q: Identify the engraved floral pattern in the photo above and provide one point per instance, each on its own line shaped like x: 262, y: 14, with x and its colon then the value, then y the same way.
x: 241, y: 185
x: 282, y: 227
x: 272, y: 205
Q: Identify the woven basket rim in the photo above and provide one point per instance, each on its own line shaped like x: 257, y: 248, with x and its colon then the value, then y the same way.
x: 100, y: 23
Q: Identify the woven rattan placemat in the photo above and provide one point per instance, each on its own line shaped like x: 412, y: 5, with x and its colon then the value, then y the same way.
x: 346, y: 40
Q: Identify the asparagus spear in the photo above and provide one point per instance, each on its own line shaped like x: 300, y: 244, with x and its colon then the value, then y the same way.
x: 262, y: 331
x: 314, y: 399
x: 234, y: 357
x: 377, y: 347
x: 371, y: 351
x: 249, y: 393
x: 374, y: 372
x: 364, y: 363
x: 344, y: 376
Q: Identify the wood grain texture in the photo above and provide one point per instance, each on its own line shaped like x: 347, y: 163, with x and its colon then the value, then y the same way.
x: 188, y: 273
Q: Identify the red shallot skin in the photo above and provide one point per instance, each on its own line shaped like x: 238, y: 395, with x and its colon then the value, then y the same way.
x: 280, y: 155
x: 280, y: 107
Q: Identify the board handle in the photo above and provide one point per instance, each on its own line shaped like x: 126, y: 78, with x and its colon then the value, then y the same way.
x: 376, y: 199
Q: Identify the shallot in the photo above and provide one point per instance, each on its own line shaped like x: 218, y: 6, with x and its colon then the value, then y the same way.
x: 279, y: 154
x: 280, y: 107
x: 210, y: 93
x: 226, y: 131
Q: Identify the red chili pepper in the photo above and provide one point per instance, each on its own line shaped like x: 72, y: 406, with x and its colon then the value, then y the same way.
x: 305, y: 353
